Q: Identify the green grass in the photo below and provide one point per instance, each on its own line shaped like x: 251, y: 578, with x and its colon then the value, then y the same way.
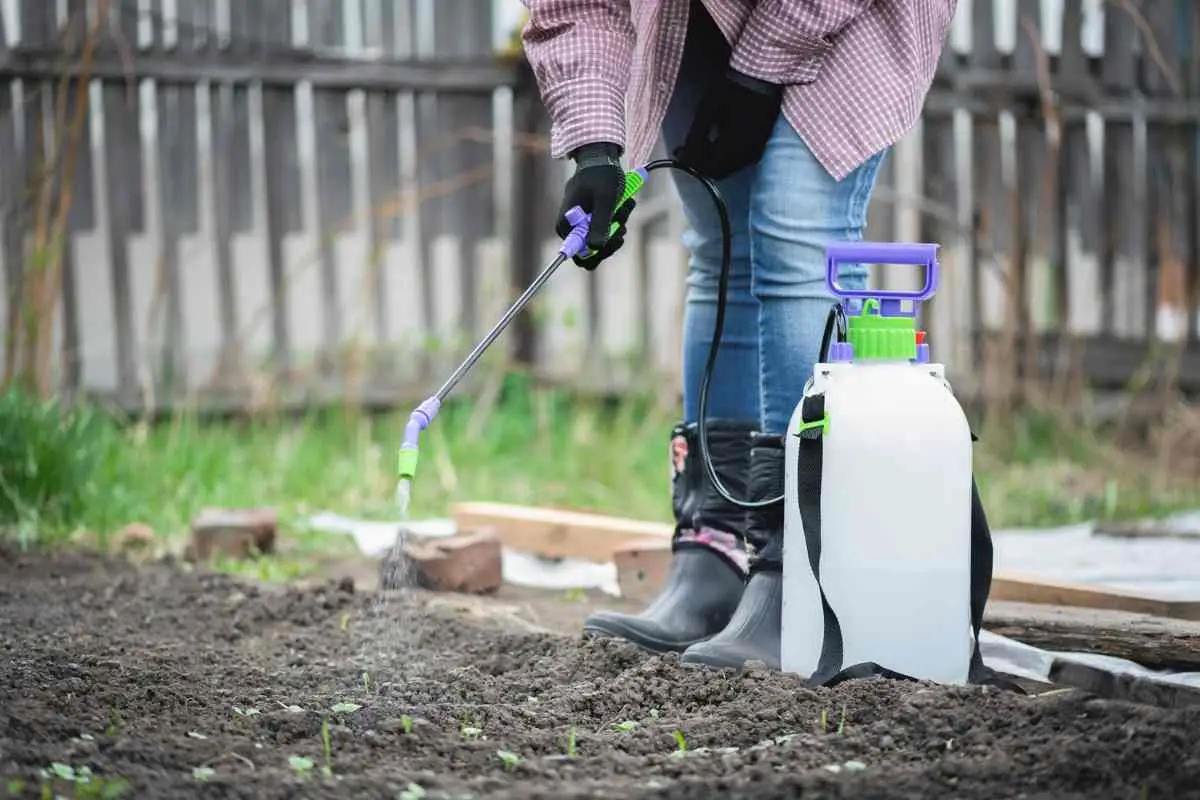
x: 82, y: 472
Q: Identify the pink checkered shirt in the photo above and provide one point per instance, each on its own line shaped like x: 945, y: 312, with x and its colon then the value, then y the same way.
x: 857, y: 71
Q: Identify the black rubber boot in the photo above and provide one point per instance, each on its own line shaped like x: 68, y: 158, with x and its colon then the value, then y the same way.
x: 708, y: 562
x: 754, y: 631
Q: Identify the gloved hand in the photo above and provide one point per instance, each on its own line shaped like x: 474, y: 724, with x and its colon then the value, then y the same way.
x: 732, y: 125
x: 596, y: 186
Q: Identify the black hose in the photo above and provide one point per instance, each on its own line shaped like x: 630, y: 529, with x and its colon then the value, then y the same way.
x: 715, y: 346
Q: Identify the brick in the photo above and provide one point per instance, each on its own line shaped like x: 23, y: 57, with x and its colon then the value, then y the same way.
x: 642, y: 567
x: 133, y: 538
x: 468, y: 562
x: 232, y: 533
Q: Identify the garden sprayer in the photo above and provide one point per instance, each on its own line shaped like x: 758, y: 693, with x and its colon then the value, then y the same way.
x: 884, y: 546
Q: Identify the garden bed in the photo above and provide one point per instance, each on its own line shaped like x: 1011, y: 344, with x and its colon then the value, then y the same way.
x: 163, y: 682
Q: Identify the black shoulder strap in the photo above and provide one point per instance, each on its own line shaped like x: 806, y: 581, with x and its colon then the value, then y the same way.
x: 810, y: 455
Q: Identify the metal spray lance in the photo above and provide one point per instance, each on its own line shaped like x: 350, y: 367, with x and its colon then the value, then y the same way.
x: 573, y: 244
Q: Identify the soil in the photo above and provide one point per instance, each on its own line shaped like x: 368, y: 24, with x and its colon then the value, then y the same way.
x: 136, y: 673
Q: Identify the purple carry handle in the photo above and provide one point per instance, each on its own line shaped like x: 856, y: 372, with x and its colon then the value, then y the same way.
x: 917, y: 254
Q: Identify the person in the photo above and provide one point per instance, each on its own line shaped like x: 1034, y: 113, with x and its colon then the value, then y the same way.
x: 790, y: 106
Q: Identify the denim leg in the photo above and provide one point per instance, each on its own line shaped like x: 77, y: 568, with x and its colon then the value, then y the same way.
x: 733, y: 391
x: 796, y: 209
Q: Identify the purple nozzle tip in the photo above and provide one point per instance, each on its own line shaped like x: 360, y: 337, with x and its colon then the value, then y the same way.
x: 419, y: 420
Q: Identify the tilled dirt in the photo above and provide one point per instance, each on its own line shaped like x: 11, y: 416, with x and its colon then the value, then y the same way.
x: 134, y: 677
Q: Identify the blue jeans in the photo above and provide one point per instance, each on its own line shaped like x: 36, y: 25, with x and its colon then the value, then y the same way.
x: 783, y: 212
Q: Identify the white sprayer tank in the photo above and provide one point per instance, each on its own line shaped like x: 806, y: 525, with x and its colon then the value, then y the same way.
x: 895, y: 498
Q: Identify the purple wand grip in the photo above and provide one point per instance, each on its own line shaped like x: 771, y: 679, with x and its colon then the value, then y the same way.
x: 917, y: 254
x: 419, y: 420
x: 575, y: 240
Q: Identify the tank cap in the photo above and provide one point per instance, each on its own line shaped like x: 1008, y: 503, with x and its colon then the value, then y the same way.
x: 872, y: 335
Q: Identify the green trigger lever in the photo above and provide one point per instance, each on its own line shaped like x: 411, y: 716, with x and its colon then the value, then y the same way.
x: 634, y: 181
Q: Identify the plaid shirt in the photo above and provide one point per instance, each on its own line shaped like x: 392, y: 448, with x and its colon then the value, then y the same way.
x: 856, y: 71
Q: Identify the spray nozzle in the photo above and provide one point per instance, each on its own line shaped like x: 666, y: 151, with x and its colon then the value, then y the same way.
x: 422, y: 415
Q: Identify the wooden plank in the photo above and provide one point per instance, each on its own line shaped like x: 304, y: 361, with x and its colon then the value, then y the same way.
x: 1038, y: 175
x: 383, y: 181
x: 334, y: 206
x: 282, y: 189
x: 666, y: 272
x: 992, y: 259
x: 1111, y: 363
x: 12, y: 226
x: 1031, y: 589
x: 178, y: 196
x: 1154, y: 642
x: 1168, y: 224
x: 553, y: 533
x: 409, y: 315
x: 124, y: 187
x: 1123, y: 267
x: 472, y: 76
x: 1112, y: 685
x: 469, y: 213
x: 37, y: 22
x: 946, y: 318
x: 221, y: 111
x: 525, y: 207
x: 81, y: 216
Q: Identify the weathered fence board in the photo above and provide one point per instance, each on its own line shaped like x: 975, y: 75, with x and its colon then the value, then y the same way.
x: 331, y: 198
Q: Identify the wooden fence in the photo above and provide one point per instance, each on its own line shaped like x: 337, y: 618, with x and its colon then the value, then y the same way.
x: 300, y: 198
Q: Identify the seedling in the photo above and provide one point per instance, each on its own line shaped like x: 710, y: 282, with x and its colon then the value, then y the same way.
x: 681, y: 744
x: 203, y: 773
x: 406, y: 722
x: 197, y: 735
x: 626, y: 726
x: 842, y: 721
x: 301, y: 765
x: 823, y: 721
x: 344, y: 622
x: 571, y: 742
x: 346, y: 708
x: 68, y: 773
x: 328, y: 768
x: 470, y: 729
x: 114, y: 724
x: 245, y: 712
x: 654, y: 712
x: 86, y: 784
x: 412, y: 792
x: 510, y: 759
x: 366, y: 682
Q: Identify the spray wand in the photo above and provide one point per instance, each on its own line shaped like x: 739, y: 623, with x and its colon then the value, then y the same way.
x: 573, y: 244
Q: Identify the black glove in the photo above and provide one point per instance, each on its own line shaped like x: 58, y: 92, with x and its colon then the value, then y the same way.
x: 596, y: 186
x: 732, y: 125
